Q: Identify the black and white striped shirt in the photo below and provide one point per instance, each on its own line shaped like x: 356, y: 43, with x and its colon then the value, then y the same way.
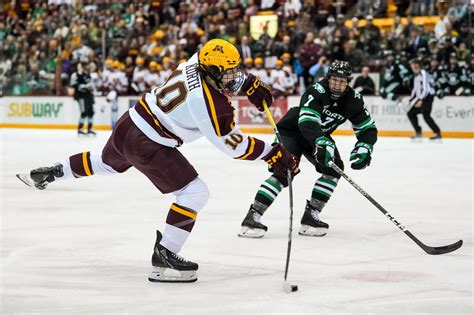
x: 421, y: 86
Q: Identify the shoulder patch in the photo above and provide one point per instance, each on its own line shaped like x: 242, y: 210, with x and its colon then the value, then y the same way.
x: 319, y: 88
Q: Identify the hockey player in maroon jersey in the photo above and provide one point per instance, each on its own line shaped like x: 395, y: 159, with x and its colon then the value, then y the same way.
x: 193, y: 102
x: 306, y: 130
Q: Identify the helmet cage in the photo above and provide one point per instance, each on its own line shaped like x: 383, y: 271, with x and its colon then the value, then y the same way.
x: 229, y: 80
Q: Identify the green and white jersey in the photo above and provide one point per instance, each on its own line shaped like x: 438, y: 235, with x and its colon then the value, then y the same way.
x: 319, y: 115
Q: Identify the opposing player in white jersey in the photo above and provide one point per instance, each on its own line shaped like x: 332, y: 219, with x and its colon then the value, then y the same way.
x: 193, y: 103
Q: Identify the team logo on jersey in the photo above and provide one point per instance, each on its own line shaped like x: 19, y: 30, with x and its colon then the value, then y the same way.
x: 218, y: 48
x: 319, y: 87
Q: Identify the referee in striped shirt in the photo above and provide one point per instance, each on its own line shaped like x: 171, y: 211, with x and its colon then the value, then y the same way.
x: 422, y: 97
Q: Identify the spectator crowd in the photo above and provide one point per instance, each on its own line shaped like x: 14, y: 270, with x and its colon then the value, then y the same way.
x: 130, y: 47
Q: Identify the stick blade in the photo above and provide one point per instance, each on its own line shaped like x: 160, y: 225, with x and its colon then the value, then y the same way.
x: 443, y: 249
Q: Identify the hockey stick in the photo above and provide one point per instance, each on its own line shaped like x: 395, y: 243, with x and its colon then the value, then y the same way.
x: 286, y: 285
x: 428, y: 249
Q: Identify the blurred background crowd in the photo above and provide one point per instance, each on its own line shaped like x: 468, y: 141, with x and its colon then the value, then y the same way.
x: 130, y: 46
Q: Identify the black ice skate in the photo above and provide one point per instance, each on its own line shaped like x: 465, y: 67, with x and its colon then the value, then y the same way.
x: 91, y: 133
x: 41, y: 177
x: 251, y: 225
x: 418, y: 137
x: 311, y: 224
x: 80, y: 133
x: 436, y: 137
x: 170, y: 267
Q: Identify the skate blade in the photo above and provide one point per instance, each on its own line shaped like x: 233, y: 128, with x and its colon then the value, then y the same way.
x: 160, y: 274
x: 247, y: 232
x: 435, y: 141
x: 417, y: 140
x: 25, y: 178
x: 307, y: 230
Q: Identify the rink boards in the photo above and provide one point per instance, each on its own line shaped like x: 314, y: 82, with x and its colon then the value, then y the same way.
x: 454, y: 114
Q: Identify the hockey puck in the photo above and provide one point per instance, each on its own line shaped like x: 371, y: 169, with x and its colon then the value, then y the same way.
x: 288, y: 287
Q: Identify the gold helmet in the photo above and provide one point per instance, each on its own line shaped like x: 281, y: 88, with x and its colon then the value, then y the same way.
x: 220, y: 61
x: 258, y: 61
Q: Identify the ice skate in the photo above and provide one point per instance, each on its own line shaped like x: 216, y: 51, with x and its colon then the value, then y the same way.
x: 251, y: 225
x: 418, y: 137
x: 170, y: 267
x: 311, y: 224
x: 436, y: 138
x: 81, y: 133
x: 41, y: 177
x: 91, y: 133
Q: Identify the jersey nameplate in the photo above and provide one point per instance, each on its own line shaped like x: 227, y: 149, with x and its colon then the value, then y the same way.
x: 192, y: 76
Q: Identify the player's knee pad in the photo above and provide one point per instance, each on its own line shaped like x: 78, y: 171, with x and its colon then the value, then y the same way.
x: 194, y: 195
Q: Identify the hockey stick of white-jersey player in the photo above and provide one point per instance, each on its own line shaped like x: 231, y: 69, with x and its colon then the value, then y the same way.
x: 428, y: 249
x: 287, y: 286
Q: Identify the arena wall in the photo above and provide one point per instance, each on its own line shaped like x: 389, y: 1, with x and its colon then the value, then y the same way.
x: 454, y: 114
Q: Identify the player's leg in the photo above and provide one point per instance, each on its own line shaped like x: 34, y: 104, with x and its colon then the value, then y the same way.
x: 311, y: 223
x: 179, y: 224
x: 170, y: 172
x: 90, y: 115
x: 426, y: 111
x: 413, y: 117
x: 108, y: 162
x: 251, y: 226
x: 82, y: 118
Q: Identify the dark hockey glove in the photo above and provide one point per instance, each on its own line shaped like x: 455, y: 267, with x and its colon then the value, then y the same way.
x: 361, y: 155
x: 257, y: 92
x: 324, y: 151
x: 281, y: 160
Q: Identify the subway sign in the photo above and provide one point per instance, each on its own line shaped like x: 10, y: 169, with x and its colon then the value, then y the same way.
x: 35, y: 109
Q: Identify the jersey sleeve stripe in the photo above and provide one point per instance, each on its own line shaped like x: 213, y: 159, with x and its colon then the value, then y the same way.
x: 305, y: 118
x: 364, y: 124
x: 310, y: 111
x: 211, y: 107
x: 360, y: 131
x: 249, y: 150
x: 254, y: 149
x: 145, y: 112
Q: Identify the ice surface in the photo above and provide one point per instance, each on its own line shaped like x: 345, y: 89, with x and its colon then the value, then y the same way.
x: 84, y: 246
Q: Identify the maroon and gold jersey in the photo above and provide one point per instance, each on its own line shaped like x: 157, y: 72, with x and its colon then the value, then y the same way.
x: 186, y: 108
